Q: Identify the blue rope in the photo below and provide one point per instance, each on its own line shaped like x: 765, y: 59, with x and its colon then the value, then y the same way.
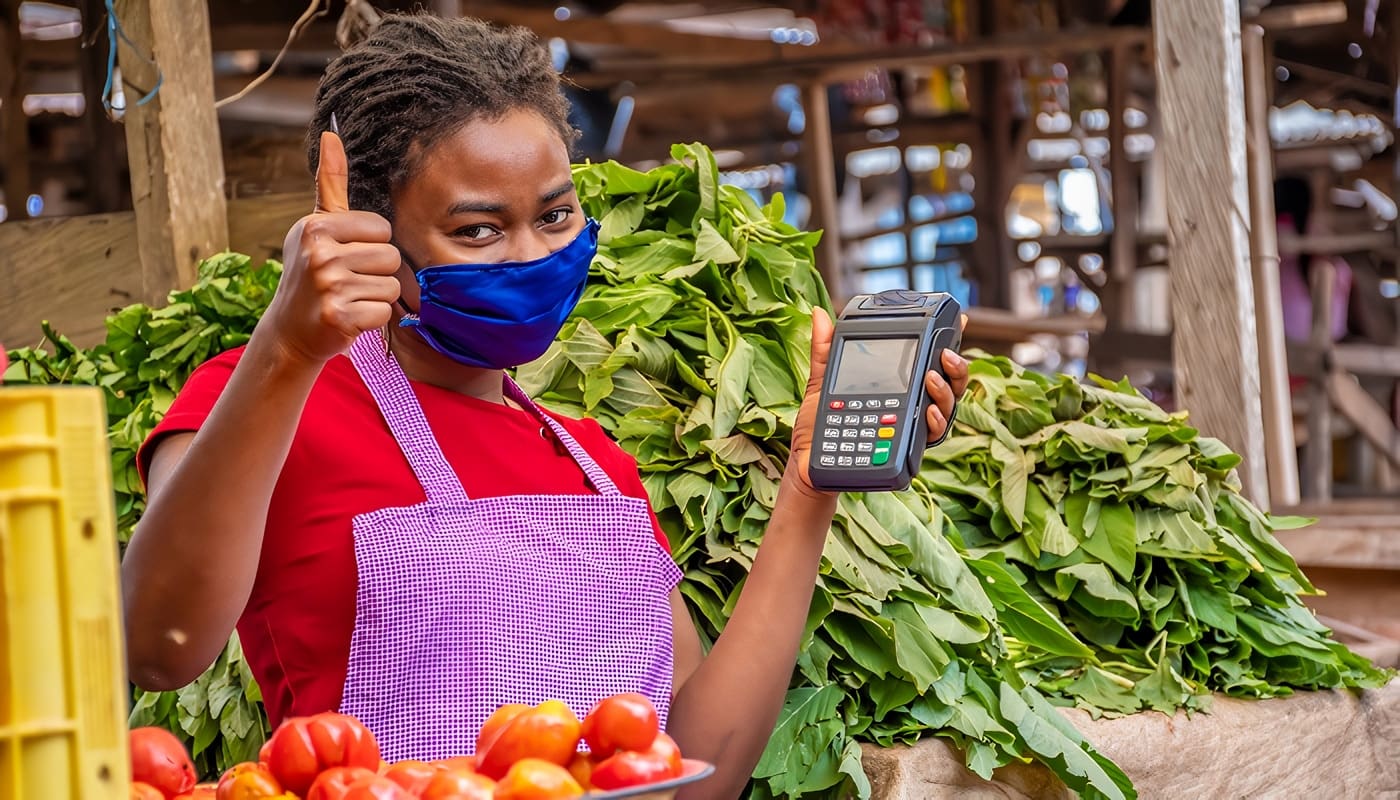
x: 115, y: 33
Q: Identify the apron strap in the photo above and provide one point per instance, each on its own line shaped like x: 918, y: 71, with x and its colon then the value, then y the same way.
x: 596, y: 474
x: 399, y: 405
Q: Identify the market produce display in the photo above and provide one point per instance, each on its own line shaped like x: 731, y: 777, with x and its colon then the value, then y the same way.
x: 1069, y: 544
x: 522, y: 753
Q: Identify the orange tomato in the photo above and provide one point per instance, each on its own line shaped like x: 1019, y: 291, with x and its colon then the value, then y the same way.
x: 548, y: 732
x: 145, y: 791
x: 466, y: 763
x: 536, y: 779
x: 201, y: 791
x: 625, y: 721
x: 666, y: 749
x: 453, y: 784
x: 247, y: 781
x: 582, y: 770
x: 496, y: 723
x: 378, y: 787
x: 411, y: 775
x: 334, y: 783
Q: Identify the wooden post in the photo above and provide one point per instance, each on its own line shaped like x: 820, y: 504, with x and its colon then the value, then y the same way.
x: 105, y: 181
x: 1275, y: 398
x: 177, y: 166
x: 822, y: 191
x: 1214, y: 347
x: 14, y: 123
x: 993, y: 160
x: 1317, y: 453
x: 1122, y: 248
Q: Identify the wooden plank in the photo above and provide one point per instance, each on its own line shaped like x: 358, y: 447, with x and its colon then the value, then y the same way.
x: 1310, y: 15
x: 1216, y: 354
x: 1274, y: 395
x: 73, y: 271
x: 1344, y: 543
x: 1372, y: 421
x: 1122, y: 258
x: 816, y: 146
x: 177, y: 169
x: 1335, y: 244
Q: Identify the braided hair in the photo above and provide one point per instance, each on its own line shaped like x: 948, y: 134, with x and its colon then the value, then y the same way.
x: 417, y: 79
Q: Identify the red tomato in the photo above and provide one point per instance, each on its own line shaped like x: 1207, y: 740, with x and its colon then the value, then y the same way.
x: 145, y: 791
x: 411, y: 775
x: 467, y: 763
x: 453, y: 784
x: 263, y: 751
x: 621, y: 722
x: 496, y: 723
x: 247, y: 782
x: 378, y: 787
x: 304, y: 747
x: 666, y: 749
x: 630, y: 768
x: 201, y: 791
x: 159, y: 759
x: 535, y: 779
x: 336, y: 781
x: 549, y: 732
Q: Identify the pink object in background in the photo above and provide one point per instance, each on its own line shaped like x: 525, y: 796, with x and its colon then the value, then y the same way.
x: 1297, y: 295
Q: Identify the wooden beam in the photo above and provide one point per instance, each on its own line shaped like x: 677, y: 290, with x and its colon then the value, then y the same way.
x: 177, y: 168
x: 14, y: 123
x: 996, y: 162
x: 1372, y: 421
x: 1317, y: 452
x: 1216, y: 353
x: 73, y: 271
x: 1122, y: 258
x: 1335, y: 244
x: 1276, y: 400
x: 823, y: 192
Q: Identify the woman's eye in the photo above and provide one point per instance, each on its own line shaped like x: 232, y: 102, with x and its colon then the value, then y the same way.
x: 556, y: 216
x: 476, y: 232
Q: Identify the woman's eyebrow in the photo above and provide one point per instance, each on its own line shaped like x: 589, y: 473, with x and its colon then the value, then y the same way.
x: 474, y: 206
x: 558, y: 192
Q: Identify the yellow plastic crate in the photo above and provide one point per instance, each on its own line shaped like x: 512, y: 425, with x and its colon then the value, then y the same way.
x: 62, y: 667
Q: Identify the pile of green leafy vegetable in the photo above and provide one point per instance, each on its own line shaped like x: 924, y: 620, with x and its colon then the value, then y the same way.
x: 145, y: 359
x: 1069, y: 545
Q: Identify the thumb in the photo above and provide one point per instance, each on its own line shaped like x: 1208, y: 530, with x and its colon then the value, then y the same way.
x: 821, y: 343
x: 332, y: 175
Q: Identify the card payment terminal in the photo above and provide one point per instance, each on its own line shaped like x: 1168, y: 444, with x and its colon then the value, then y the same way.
x: 872, y: 424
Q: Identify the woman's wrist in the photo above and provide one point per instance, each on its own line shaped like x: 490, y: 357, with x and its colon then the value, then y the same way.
x: 799, y: 498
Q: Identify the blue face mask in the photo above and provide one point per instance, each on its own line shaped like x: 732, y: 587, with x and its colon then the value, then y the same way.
x: 502, y: 315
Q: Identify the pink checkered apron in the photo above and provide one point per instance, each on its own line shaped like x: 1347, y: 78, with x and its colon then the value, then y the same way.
x: 465, y: 605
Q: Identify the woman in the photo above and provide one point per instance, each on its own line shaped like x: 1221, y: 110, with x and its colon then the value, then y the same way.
x: 394, y: 528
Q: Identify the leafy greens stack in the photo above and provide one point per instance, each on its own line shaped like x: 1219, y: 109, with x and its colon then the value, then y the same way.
x: 1068, y: 545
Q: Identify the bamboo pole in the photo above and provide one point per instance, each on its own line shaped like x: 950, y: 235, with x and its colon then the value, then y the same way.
x: 1274, y: 395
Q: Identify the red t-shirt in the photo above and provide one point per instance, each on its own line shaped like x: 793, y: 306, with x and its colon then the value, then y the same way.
x: 343, y: 462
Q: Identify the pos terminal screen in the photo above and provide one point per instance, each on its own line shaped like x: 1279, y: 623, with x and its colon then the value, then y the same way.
x: 875, y: 366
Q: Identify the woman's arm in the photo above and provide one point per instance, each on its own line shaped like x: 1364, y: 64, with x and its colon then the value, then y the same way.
x: 725, y: 711
x: 189, y: 568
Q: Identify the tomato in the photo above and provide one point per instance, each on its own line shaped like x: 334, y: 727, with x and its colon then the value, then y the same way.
x: 467, y: 763
x: 497, y: 723
x: 582, y: 770
x: 621, y: 722
x: 263, y: 751
x: 630, y: 768
x: 304, y: 747
x: 247, y: 782
x: 201, y: 791
x: 454, y: 784
x: 666, y: 749
x: 411, y: 775
x: 536, y: 779
x: 377, y: 787
x: 145, y: 791
x: 549, y: 732
x: 336, y: 781
x: 160, y: 760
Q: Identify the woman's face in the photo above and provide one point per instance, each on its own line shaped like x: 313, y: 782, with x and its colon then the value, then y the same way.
x: 496, y: 190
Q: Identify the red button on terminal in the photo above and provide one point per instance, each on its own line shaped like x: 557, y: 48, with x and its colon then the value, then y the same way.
x: 889, y: 419
x: 837, y: 405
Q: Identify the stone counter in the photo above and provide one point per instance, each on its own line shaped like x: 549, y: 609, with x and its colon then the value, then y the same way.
x: 1324, y: 745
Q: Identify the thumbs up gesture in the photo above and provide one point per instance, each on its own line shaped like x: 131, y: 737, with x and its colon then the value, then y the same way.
x: 338, y: 277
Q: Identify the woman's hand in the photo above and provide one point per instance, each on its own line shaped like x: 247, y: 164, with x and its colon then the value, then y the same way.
x: 339, y: 274
x: 944, y: 394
